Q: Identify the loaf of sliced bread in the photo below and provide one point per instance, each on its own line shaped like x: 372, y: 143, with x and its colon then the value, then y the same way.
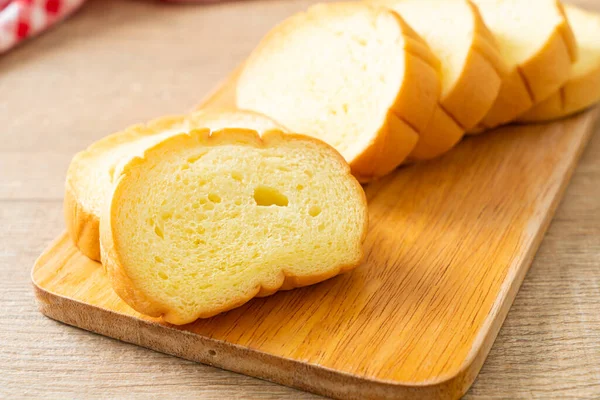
x: 351, y: 74
x: 538, y: 46
x: 471, y: 66
x: 90, y: 176
x: 583, y: 87
x: 200, y: 223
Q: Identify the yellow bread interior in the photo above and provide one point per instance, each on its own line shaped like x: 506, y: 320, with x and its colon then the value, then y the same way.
x: 90, y: 175
x: 200, y: 224
x: 583, y: 86
x: 351, y: 74
x: 538, y: 47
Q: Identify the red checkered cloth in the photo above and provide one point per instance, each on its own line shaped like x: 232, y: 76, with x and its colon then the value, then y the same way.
x: 20, y: 19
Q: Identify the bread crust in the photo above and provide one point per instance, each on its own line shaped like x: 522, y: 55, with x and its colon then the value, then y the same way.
x: 83, y: 226
x: 469, y: 98
x: 536, y: 79
x: 408, y: 114
x: 481, y: 77
x: 576, y: 95
x: 442, y: 132
x: 129, y: 290
x: 82, y: 222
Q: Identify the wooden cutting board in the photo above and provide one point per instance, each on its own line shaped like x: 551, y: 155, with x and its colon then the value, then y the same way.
x: 449, y: 244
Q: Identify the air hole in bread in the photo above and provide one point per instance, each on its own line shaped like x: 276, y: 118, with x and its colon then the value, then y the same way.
x: 159, y: 232
x: 299, y: 187
x: 213, y: 197
x: 163, y: 275
x: 209, y: 206
x: 314, y: 211
x: 267, y: 196
x: 212, y: 353
x: 238, y: 202
x: 237, y: 176
x: 195, y: 158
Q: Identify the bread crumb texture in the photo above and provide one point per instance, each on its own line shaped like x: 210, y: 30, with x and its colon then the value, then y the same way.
x: 201, y: 224
x: 90, y: 178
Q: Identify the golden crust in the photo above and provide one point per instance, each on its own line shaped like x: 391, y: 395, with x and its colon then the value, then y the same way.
x: 82, y: 225
x: 375, y: 160
x: 414, y: 106
x: 442, y: 133
x: 419, y: 93
x: 483, y: 69
x: 580, y: 91
x: 128, y: 290
x: 536, y: 79
x: 545, y: 73
x: 469, y: 98
x: 408, y: 119
x: 576, y: 95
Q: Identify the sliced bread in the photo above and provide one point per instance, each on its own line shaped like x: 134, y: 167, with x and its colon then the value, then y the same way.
x: 90, y: 176
x: 471, y: 66
x: 537, y: 45
x: 583, y: 87
x: 351, y: 74
x: 200, y: 223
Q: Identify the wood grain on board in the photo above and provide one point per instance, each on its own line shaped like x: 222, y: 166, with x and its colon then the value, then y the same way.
x: 449, y: 244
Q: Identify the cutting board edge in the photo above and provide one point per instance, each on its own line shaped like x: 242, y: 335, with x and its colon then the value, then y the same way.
x: 502, y: 306
x: 236, y: 358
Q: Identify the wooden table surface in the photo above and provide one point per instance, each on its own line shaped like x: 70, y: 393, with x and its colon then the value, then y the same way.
x: 115, y: 63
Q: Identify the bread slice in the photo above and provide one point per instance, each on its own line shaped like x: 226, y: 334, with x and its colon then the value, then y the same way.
x: 90, y: 176
x: 353, y: 75
x: 537, y: 45
x: 200, y: 224
x: 583, y: 87
x: 471, y: 65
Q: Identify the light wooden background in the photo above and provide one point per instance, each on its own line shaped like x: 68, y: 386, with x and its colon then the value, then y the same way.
x: 116, y: 63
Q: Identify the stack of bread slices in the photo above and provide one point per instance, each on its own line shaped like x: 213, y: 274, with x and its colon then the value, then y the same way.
x: 194, y: 215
